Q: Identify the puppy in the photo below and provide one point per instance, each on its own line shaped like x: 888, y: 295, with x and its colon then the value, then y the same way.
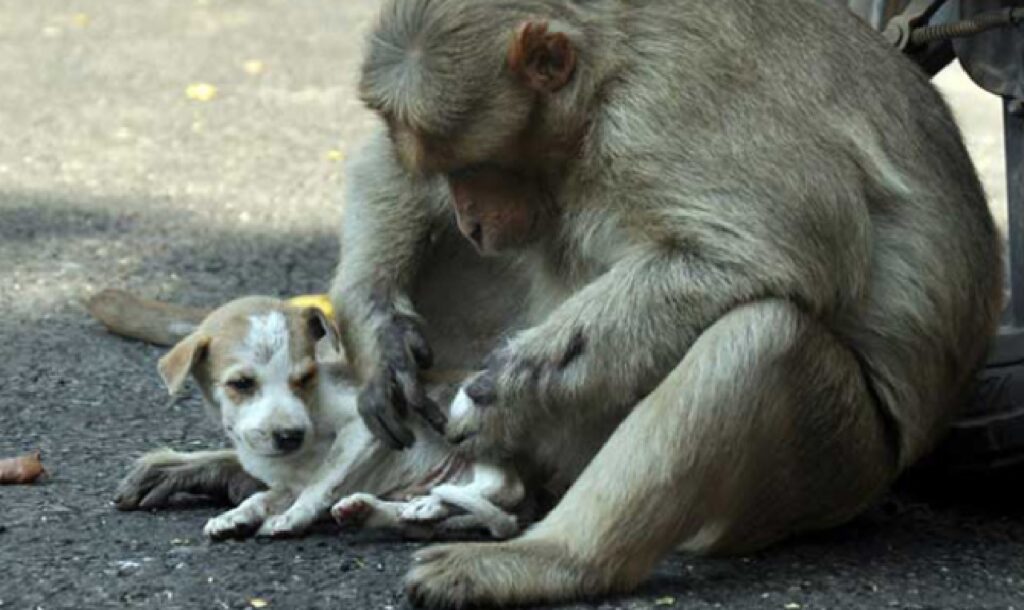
x: 275, y: 377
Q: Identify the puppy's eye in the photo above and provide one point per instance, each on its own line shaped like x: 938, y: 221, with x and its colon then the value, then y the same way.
x: 241, y: 384
x: 304, y: 379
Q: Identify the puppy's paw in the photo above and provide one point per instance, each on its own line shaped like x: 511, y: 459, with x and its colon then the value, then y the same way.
x: 294, y: 522
x: 232, y: 524
x: 354, y: 509
x: 424, y: 509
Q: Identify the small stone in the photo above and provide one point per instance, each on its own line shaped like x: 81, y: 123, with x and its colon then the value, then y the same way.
x: 127, y: 568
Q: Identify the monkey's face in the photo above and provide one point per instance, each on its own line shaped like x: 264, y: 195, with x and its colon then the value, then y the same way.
x: 463, y: 88
x: 497, y: 209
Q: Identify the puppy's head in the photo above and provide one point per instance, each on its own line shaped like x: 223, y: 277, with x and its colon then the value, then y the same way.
x: 255, y: 362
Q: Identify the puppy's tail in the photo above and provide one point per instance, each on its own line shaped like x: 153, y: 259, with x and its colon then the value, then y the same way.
x: 137, y: 318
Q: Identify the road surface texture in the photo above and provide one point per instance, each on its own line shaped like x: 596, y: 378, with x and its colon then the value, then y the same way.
x: 191, y: 150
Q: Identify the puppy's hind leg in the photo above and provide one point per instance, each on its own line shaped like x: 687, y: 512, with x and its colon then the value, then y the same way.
x: 160, y: 474
x: 766, y: 428
x: 491, y: 487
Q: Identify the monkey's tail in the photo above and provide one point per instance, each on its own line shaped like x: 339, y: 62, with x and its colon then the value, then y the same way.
x: 155, y: 322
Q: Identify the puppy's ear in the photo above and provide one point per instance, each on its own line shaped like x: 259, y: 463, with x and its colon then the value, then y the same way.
x: 175, y: 366
x: 319, y: 326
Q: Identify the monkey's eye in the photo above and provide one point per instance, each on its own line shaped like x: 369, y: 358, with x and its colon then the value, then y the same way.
x: 243, y: 384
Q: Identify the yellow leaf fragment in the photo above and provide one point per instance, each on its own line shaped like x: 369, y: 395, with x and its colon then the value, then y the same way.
x: 80, y: 20
x: 253, y: 66
x: 668, y: 600
x: 793, y: 606
x: 258, y: 602
x: 335, y: 155
x: 201, y: 92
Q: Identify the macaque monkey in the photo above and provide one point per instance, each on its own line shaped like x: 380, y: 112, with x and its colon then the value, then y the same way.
x: 761, y: 271
x: 755, y: 299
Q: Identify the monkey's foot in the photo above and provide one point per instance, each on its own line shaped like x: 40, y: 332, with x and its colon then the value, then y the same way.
x: 497, y: 574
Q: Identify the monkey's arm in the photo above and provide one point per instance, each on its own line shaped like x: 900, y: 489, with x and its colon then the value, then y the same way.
x: 390, y: 215
x: 603, y: 349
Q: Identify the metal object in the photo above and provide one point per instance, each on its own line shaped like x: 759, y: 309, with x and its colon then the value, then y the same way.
x: 899, y: 30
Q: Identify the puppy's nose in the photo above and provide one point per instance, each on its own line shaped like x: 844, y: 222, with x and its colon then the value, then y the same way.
x: 288, y: 440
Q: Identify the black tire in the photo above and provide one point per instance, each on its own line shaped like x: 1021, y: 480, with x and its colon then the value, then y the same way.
x: 990, y: 432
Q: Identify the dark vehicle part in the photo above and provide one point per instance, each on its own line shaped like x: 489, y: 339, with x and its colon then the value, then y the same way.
x: 987, y: 36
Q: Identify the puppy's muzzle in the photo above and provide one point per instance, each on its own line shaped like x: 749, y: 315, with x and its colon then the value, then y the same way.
x: 288, y: 440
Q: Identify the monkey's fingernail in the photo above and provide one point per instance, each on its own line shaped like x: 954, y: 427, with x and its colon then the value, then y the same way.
x: 483, y: 393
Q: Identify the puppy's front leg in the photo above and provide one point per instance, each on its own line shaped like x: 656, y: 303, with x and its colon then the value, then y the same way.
x: 247, y: 516
x: 353, y: 454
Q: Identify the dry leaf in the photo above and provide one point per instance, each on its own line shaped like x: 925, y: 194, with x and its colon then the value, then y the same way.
x: 253, y: 66
x: 258, y: 602
x: 335, y: 155
x: 21, y: 470
x: 201, y: 92
x: 80, y: 20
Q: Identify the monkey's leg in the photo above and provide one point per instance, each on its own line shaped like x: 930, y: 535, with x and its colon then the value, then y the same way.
x: 766, y: 428
x: 159, y: 474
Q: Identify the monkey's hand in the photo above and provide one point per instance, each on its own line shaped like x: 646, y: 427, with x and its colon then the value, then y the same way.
x: 485, y: 420
x: 395, y: 388
x: 600, y: 351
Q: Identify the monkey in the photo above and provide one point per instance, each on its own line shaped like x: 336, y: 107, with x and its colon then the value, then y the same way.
x: 757, y: 298
x: 752, y: 301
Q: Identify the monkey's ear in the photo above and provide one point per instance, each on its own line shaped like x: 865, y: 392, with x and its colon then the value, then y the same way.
x: 543, y: 59
x: 175, y: 366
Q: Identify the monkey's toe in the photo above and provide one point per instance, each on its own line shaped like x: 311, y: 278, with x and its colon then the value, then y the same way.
x: 495, y: 574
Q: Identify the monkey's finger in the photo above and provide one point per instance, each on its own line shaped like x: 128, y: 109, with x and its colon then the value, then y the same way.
x: 418, y: 401
x: 381, y: 433
x: 377, y: 410
x: 435, y: 416
x: 383, y: 393
x: 419, y: 348
x: 396, y: 430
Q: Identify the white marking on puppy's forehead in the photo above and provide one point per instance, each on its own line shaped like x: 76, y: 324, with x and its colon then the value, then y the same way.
x: 267, y: 338
x: 266, y: 347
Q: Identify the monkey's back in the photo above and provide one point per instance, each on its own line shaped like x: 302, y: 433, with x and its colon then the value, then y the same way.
x: 814, y: 147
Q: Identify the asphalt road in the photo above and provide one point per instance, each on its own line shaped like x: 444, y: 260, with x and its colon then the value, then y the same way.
x: 110, y: 175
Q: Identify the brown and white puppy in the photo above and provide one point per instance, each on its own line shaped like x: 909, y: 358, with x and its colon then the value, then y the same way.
x: 276, y: 378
